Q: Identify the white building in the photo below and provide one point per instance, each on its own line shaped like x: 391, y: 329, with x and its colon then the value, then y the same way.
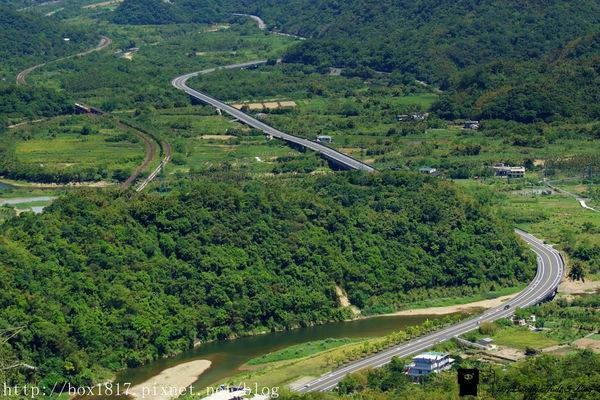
x: 428, y: 171
x: 508, y: 171
x: 427, y: 363
x: 471, y: 125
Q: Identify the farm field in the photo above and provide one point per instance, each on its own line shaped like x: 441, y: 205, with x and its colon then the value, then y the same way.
x: 522, y: 338
x: 161, y: 53
x: 69, y: 148
x: 65, y: 151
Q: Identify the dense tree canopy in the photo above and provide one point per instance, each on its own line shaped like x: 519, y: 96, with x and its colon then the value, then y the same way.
x: 513, y: 60
x: 25, y: 101
x: 103, y: 280
x: 24, y: 34
x: 140, y: 12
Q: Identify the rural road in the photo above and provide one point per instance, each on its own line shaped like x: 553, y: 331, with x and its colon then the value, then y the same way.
x: 22, y: 76
x: 582, y: 201
x: 261, y: 24
x: 340, y: 159
x: 549, y: 273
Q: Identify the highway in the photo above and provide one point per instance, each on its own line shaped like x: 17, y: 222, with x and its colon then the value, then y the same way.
x: 340, y: 159
x: 549, y: 273
x: 545, y: 284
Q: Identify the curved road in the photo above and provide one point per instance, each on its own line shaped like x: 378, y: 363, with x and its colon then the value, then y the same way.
x: 261, y: 24
x: 104, y: 43
x: 549, y: 273
x: 334, y: 156
x: 545, y: 284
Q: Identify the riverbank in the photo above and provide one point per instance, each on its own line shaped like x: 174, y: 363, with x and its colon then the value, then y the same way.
x: 171, y: 382
x: 458, y: 308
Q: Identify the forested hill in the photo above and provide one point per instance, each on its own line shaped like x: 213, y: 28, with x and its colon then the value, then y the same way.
x: 140, y: 12
x: 23, y: 34
x: 509, y: 59
x: 516, y: 60
x: 102, y: 279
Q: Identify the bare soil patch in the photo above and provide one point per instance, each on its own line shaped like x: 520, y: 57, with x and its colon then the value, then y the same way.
x: 568, y: 286
x: 217, y: 137
x: 171, y: 382
x: 587, y: 343
x: 468, y: 307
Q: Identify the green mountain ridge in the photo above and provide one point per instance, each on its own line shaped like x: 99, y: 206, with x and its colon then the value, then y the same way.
x: 493, y: 59
x: 103, y: 280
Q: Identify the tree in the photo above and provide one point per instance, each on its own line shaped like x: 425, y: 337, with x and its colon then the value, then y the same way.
x: 577, y: 271
x: 487, y: 328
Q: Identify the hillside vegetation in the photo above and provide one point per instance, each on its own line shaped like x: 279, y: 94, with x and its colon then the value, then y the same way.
x: 25, y: 40
x: 24, y: 34
x: 144, y: 12
x: 513, y: 60
x: 105, y: 280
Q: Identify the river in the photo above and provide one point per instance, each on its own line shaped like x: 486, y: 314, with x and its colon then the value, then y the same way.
x: 228, y: 356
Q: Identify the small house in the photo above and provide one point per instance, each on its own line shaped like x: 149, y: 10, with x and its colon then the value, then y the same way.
x: 324, y: 139
x: 428, y: 363
x: 471, y: 125
x: 428, y: 171
x: 508, y: 171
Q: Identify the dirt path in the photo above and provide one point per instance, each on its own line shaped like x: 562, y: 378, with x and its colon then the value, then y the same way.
x: 570, y: 287
x: 22, y: 76
x: 25, y: 123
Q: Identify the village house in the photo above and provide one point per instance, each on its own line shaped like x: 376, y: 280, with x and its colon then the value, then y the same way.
x: 428, y: 363
x: 324, y: 139
x: 428, y: 171
x: 508, y: 171
x: 416, y: 116
x: 471, y: 125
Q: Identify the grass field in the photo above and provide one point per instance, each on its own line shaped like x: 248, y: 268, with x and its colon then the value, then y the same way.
x: 163, y: 53
x: 203, y: 140
x: 300, y: 351
x: 521, y: 338
x: 283, y: 372
x: 78, y: 143
x: 197, y: 125
x: 451, y: 301
x: 64, y: 151
x: 558, y: 218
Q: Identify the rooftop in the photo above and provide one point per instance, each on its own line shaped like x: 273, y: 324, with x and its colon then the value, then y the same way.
x: 431, y: 355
